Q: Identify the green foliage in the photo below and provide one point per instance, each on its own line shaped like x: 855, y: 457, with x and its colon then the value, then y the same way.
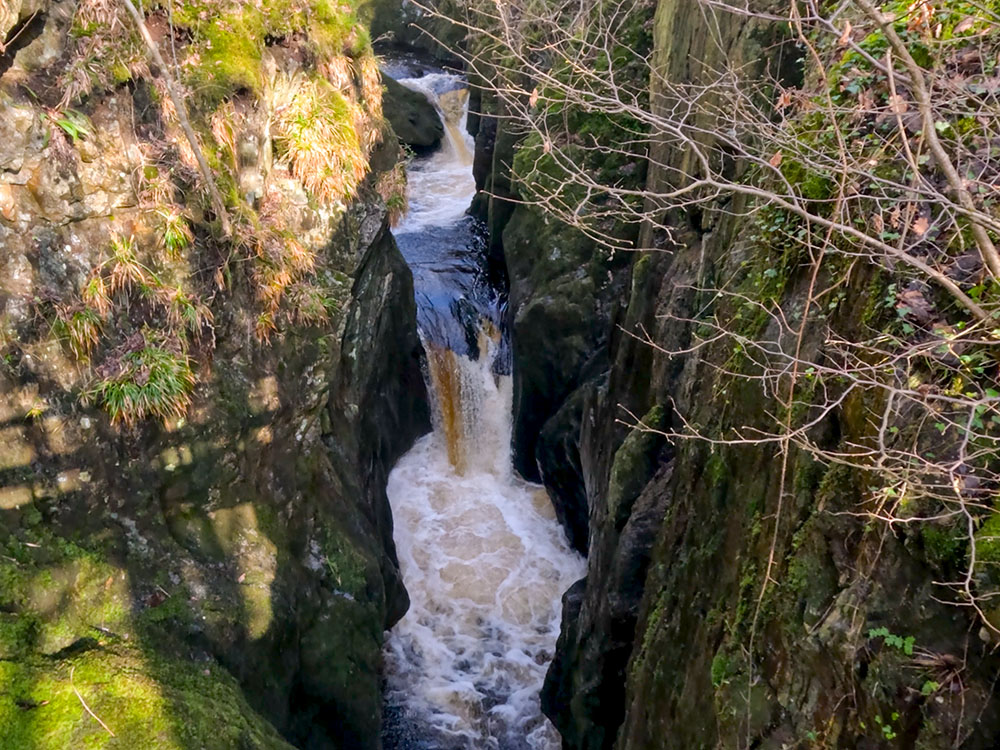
x: 149, y: 382
x: 929, y: 688
x: 900, y: 643
x: 886, y: 726
x: 74, y: 123
x: 231, y: 37
x: 175, y: 234
x: 720, y: 669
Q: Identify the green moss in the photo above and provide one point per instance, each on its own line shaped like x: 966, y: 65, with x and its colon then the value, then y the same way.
x: 633, y: 464
x: 335, y: 31
x: 231, y: 55
x: 808, y: 183
x: 716, y: 470
x: 988, y: 540
x: 147, y: 701
x: 649, y: 634
x: 943, y: 546
x: 879, y: 301
x: 345, y: 562
x: 60, y: 600
x: 810, y: 582
x: 18, y: 634
x: 231, y: 39
x: 534, y: 166
x: 720, y: 668
x: 641, y: 269
x: 838, y: 488
x: 67, y: 627
x: 174, y: 608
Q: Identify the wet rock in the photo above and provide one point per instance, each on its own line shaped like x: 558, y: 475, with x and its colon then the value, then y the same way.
x: 559, y: 299
x: 413, y: 118
x: 558, y: 454
x: 379, y: 404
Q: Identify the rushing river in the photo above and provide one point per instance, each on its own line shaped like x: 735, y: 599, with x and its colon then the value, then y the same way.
x: 483, y: 558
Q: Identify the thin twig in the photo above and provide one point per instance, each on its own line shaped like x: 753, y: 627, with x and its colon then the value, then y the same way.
x: 84, y: 703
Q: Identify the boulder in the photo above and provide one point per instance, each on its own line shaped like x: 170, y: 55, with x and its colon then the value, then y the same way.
x: 413, y: 118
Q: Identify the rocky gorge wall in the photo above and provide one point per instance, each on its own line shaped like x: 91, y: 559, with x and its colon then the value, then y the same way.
x: 195, y: 428
x: 667, y: 642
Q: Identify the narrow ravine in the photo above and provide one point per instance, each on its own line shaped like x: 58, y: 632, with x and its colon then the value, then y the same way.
x: 482, y: 556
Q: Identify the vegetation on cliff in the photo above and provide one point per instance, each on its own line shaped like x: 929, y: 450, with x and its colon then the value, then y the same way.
x: 284, y: 98
x: 817, y: 300
x: 190, y: 553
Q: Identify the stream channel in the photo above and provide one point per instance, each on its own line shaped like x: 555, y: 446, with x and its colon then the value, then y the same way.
x: 482, y: 555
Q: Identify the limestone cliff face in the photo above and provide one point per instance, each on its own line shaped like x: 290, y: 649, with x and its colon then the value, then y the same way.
x: 666, y: 643
x: 219, y: 573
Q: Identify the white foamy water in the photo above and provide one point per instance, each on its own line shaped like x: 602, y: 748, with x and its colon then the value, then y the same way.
x: 482, y: 555
x: 485, y: 563
x: 441, y: 186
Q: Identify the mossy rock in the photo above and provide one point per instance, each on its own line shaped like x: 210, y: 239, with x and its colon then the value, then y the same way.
x: 634, y: 464
x: 124, y: 697
x: 413, y: 118
x: 231, y: 39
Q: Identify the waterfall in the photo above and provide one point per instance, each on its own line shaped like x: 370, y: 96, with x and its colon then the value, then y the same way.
x: 482, y: 555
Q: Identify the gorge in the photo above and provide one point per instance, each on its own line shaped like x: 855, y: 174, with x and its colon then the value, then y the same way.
x: 593, y: 375
x: 481, y: 554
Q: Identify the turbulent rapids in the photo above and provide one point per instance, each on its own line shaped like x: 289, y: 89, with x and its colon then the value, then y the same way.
x: 482, y: 556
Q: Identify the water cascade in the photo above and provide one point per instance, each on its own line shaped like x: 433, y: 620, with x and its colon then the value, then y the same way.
x: 482, y: 556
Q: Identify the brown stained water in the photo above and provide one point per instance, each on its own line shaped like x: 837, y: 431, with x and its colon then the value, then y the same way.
x: 446, y: 384
x: 482, y: 556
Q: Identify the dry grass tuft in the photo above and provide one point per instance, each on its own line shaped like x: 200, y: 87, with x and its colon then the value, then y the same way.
x: 106, y: 50
x: 185, y: 311
x: 370, y: 79
x: 81, y: 327
x: 314, y: 129
x: 340, y: 73
x: 370, y: 90
x: 393, y: 189
x: 96, y: 294
x: 126, y: 270
x: 359, y: 80
x: 146, y: 374
x: 278, y: 261
x: 309, y: 303
x: 225, y: 128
